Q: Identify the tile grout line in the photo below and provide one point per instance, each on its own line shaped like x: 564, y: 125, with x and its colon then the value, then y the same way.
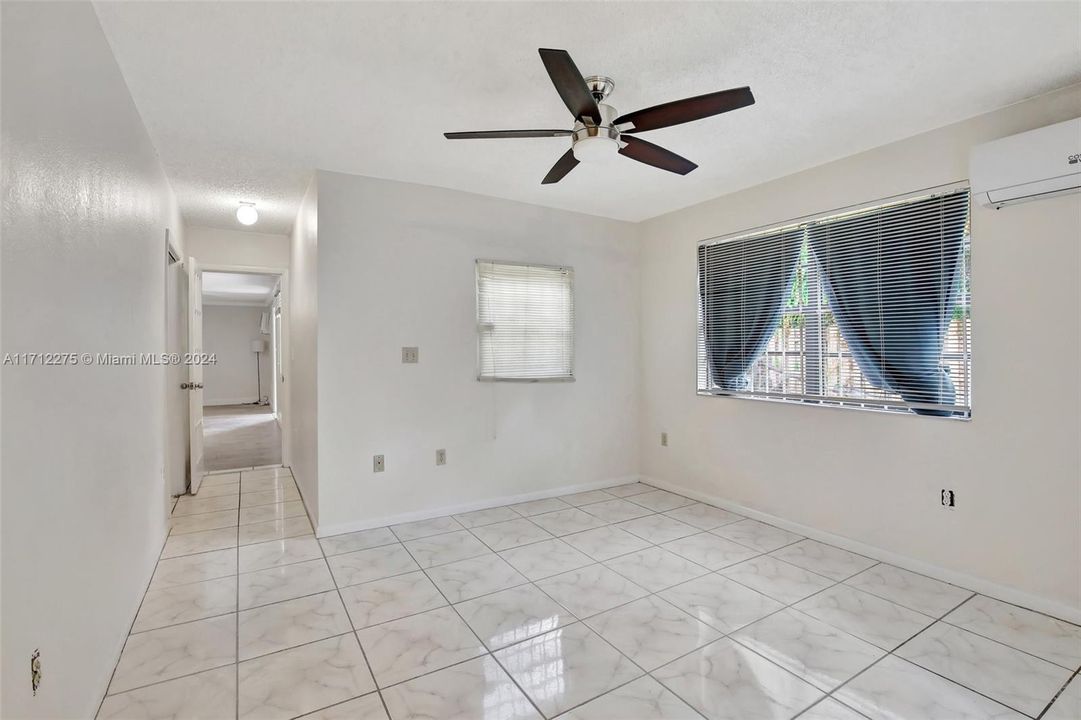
x: 487, y: 651
x: 891, y: 653
x: 1058, y: 694
x: 353, y: 632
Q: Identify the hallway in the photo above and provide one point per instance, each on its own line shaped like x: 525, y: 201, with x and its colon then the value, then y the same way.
x: 241, y: 436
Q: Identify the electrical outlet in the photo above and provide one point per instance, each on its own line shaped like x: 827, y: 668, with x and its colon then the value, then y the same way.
x: 948, y: 499
x: 441, y: 457
x: 377, y: 464
x: 664, y: 439
x: 410, y: 354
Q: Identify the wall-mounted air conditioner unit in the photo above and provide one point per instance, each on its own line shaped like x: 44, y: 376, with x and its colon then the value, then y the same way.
x: 1030, y: 166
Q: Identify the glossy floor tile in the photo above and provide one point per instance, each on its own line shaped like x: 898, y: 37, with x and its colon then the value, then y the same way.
x: 1067, y: 706
x: 565, y: 522
x: 480, y: 518
x: 823, y: 559
x: 446, y: 548
x: 657, y: 529
x: 183, y: 603
x: 363, y: 540
x: 916, y: 592
x: 1045, y: 637
x: 721, y: 603
x: 605, y: 543
x: 894, y: 688
x: 703, y: 517
x: 808, y: 648
x: 381, y: 601
x: 511, y: 534
x: 545, y: 558
x: 591, y: 590
x: 511, y: 616
x: 210, y: 694
x: 475, y: 689
x: 289, y: 623
x: 616, y: 510
x: 1014, y: 678
x: 174, y: 651
x: 866, y: 616
x: 566, y: 667
x: 467, y: 579
x: 757, y: 535
x: 651, y: 631
x: 630, y: 603
x: 296, y: 681
x: 656, y: 568
x: 776, y: 578
x: 726, y: 681
x: 641, y: 699
x: 418, y: 644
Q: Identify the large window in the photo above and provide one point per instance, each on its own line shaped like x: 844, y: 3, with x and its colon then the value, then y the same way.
x: 864, y: 308
x: 525, y: 321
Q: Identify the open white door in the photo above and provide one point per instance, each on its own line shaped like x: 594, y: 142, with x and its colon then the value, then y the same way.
x: 195, y: 372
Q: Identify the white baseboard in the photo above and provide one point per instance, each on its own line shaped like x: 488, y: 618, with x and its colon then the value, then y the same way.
x: 231, y: 401
x: 970, y: 582
x: 369, y: 523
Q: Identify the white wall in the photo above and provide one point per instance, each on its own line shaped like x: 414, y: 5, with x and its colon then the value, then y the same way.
x: 300, y: 389
x: 396, y: 267
x: 227, y: 333
x: 217, y: 246
x: 85, y: 209
x: 875, y: 478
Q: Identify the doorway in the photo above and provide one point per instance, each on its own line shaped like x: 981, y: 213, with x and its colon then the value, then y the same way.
x: 244, y: 343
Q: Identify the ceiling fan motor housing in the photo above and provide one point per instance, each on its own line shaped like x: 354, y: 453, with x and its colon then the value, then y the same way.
x: 596, y: 143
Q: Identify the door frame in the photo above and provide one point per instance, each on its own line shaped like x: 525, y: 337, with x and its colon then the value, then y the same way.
x: 283, y: 403
x: 174, y: 262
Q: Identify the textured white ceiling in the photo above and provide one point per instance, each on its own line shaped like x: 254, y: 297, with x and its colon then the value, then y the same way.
x: 243, y: 100
x: 222, y: 288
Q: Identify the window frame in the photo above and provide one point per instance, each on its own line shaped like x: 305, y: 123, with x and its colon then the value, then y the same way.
x: 826, y: 401
x: 569, y: 271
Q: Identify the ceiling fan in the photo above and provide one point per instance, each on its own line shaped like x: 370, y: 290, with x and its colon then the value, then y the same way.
x: 599, y: 132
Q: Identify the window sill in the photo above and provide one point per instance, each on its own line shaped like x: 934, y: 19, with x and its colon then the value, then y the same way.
x: 836, y: 405
x: 567, y: 378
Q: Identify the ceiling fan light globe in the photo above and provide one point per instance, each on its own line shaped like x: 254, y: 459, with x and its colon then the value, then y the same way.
x: 595, y: 150
x: 246, y: 214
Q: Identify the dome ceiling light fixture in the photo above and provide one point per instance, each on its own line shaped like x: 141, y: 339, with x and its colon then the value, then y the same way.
x: 600, y: 133
x: 246, y: 214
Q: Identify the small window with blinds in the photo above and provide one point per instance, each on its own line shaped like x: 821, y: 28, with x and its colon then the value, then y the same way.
x: 865, y: 308
x: 525, y: 322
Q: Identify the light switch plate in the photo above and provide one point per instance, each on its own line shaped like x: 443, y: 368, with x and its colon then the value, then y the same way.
x: 440, y: 457
x: 410, y: 354
x: 377, y: 464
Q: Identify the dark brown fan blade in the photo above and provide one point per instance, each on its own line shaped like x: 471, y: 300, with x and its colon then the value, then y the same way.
x: 482, y: 134
x: 563, y: 166
x: 650, y: 154
x: 681, y: 111
x: 570, y: 84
